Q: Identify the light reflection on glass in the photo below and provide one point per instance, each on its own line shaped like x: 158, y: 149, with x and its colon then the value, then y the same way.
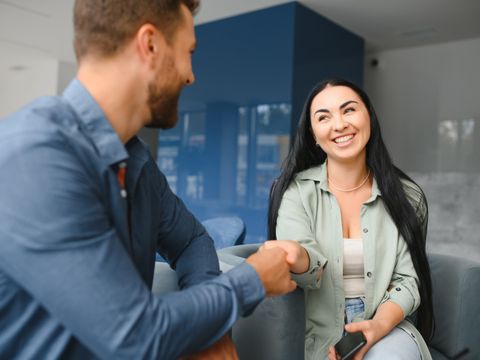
x: 456, y: 144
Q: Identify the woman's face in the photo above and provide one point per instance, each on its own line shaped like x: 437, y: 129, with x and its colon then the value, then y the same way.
x: 340, y: 123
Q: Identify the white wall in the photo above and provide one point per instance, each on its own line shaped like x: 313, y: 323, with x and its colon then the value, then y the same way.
x: 18, y: 87
x: 428, y: 102
x: 427, y: 99
x: 26, y: 74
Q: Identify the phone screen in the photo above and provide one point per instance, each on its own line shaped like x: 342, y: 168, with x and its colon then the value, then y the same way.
x: 350, y: 344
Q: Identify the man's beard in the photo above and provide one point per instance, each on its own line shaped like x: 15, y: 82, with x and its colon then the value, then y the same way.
x: 163, y: 105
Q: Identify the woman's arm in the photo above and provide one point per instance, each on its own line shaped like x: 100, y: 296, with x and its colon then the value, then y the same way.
x: 295, y: 222
x: 388, y: 316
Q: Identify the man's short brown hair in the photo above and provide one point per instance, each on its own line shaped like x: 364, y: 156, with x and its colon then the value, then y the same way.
x: 102, y: 27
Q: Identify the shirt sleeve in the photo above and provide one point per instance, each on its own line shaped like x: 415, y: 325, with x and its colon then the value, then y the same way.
x: 403, y: 289
x: 182, y: 240
x: 59, y: 245
x: 294, y: 223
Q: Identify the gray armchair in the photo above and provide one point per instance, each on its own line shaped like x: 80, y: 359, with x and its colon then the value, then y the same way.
x: 276, y: 329
x: 456, y: 305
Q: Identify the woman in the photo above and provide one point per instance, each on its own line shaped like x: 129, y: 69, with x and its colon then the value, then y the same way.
x: 358, y: 225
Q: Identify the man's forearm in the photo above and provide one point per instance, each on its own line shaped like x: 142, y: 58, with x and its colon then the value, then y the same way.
x: 198, y: 262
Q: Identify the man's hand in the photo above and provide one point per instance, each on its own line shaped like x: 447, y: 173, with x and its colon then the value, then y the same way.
x: 274, y: 271
x: 297, y: 256
x: 223, y: 349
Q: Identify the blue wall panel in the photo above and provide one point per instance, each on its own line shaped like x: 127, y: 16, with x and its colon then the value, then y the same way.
x: 235, y: 121
x: 243, y: 60
x: 322, y: 50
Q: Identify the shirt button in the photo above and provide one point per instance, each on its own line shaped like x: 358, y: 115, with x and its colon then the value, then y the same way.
x: 369, y: 274
x: 365, y: 230
x: 398, y: 289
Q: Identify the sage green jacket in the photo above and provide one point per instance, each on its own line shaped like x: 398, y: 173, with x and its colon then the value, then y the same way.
x: 310, y: 214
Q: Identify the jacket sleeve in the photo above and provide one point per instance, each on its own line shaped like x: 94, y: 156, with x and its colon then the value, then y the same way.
x: 59, y: 245
x: 181, y: 238
x: 295, y: 223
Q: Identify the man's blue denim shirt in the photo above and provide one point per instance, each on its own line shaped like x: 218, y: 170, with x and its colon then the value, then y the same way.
x: 74, y: 279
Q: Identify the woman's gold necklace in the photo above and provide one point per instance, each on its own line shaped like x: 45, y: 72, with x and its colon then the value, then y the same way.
x: 352, y: 189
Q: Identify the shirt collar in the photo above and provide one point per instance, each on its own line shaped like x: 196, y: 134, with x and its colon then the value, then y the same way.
x: 319, y: 173
x: 95, y: 123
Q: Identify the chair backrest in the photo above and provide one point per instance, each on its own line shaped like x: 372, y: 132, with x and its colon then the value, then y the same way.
x: 225, y: 231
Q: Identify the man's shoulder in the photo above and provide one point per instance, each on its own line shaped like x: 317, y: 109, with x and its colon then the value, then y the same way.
x: 44, y: 119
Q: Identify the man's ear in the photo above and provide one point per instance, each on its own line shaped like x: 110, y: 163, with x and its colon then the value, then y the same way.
x: 150, y: 43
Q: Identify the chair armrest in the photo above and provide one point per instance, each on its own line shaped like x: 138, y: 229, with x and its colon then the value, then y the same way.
x: 456, y: 305
x: 225, y: 231
x: 242, y: 251
x: 276, y: 329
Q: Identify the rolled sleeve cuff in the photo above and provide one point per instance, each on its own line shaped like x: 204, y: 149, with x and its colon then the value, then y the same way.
x: 401, y: 296
x: 311, y: 279
x: 248, y: 287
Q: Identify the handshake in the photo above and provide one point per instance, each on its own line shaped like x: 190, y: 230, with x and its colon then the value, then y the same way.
x: 275, y: 260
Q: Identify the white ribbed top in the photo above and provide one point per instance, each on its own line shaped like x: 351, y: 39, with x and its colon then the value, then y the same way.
x: 353, y: 278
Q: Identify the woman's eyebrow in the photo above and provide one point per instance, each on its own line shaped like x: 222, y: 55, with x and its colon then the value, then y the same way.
x: 347, y: 103
x: 341, y: 107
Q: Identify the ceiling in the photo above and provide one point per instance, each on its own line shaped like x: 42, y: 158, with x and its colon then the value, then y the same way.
x: 33, y: 28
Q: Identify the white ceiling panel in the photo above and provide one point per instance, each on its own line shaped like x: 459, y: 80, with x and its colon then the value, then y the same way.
x: 45, y: 26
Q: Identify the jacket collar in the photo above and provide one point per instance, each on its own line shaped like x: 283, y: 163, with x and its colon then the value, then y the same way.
x: 95, y: 123
x: 319, y: 174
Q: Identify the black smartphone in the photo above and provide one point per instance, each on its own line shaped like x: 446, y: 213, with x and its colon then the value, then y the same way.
x: 350, y: 344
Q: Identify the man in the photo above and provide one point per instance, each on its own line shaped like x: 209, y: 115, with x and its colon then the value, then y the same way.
x: 83, y: 207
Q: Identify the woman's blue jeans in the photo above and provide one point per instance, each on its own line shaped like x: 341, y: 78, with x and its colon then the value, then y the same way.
x: 397, y: 345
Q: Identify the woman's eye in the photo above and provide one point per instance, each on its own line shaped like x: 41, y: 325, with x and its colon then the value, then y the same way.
x: 323, y: 117
x: 350, y: 109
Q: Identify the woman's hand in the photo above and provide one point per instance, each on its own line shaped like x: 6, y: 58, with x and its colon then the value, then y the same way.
x: 332, y: 354
x: 297, y: 256
x: 387, y: 316
x: 373, y: 331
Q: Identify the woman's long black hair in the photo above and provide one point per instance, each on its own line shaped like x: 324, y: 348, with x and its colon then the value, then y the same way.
x: 411, y: 224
